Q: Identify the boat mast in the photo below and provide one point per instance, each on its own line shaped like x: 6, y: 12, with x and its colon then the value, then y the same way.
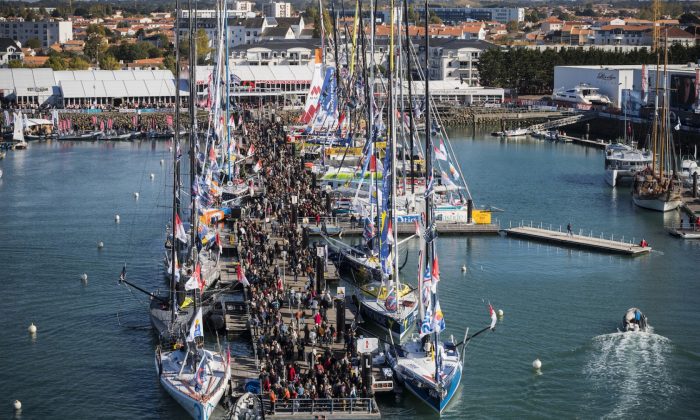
x: 228, y: 95
x: 193, y: 141
x: 176, y: 147
x: 392, y: 140
x: 430, y: 249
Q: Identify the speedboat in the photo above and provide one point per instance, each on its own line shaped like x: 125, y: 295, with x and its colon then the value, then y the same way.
x: 581, y: 94
x: 623, y: 161
x: 634, y: 320
x: 518, y: 132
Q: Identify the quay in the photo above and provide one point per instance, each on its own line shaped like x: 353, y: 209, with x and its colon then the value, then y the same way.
x: 577, y: 241
x: 598, y: 143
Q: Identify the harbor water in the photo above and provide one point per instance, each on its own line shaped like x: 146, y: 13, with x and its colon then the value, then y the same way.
x: 92, y: 356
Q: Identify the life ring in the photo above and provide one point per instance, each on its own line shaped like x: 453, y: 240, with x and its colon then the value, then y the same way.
x: 229, y: 183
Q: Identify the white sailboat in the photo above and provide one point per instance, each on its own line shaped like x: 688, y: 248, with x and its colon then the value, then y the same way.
x: 18, y: 132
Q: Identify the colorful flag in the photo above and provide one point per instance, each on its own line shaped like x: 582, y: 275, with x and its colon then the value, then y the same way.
x: 196, y: 328
x: 251, y: 151
x: 191, y: 284
x: 435, y: 274
x: 492, y: 313
x: 439, y: 154
x: 257, y: 166
x: 390, y: 234
x: 180, y: 230
x: 454, y: 172
x: 198, y: 277
x: 446, y: 179
x: 218, y: 243
x: 438, y: 319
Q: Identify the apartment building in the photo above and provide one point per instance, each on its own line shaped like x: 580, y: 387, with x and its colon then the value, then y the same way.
x: 46, y: 31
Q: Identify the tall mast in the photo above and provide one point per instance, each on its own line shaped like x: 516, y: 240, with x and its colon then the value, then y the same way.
x: 409, y: 78
x: 176, y: 146
x: 392, y: 140
x: 228, y: 94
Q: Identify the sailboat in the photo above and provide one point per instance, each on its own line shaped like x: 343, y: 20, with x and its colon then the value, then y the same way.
x: 429, y: 367
x: 659, y: 187
x: 18, y: 132
x: 195, y: 377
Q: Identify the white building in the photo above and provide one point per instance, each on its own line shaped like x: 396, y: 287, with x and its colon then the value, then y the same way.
x: 455, y: 59
x: 277, y: 9
x: 243, y: 6
x: 48, y: 32
x: 10, y: 50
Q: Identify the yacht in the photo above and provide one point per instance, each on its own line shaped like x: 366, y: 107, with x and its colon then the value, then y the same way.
x: 634, y: 320
x: 623, y: 161
x: 581, y: 94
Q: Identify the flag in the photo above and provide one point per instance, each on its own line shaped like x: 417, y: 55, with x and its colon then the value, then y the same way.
x: 212, y: 154
x: 198, y: 277
x: 439, y: 154
x: 241, y: 276
x: 191, y: 284
x: 435, y: 274
x: 446, y: 179
x: 373, y: 163
x: 251, y: 150
x: 218, y: 243
x: 438, y: 319
x: 454, y: 172
x: 492, y: 313
x: 180, y: 230
x: 196, y: 328
x: 389, y: 234
x: 257, y: 166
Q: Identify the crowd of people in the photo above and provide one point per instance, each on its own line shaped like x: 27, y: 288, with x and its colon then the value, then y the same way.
x: 296, y: 359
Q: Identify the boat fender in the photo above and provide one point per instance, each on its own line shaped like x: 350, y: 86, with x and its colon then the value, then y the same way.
x: 229, y: 183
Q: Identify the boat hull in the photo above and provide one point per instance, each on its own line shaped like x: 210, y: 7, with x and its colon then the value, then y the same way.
x: 396, y: 326
x: 657, y: 204
x: 431, y: 397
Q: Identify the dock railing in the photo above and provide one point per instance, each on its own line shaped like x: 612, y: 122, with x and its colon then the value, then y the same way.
x: 303, y: 406
x: 586, y: 233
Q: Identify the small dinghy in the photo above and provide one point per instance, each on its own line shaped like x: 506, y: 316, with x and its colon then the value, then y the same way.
x: 634, y: 320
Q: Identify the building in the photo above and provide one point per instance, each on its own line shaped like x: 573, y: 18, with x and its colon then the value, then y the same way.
x: 243, y: 6
x: 47, y: 31
x: 249, y: 30
x: 10, y: 50
x: 457, y: 15
x: 43, y: 86
x: 623, y: 35
x: 296, y: 52
x: 277, y: 9
x: 454, y: 59
x: 626, y: 81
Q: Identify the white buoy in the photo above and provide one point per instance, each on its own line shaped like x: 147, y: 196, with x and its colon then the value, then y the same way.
x: 83, y: 277
x: 162, y: 161
x: 100, y: 245
x: 136, y: 195
x: 500, y: 313
x: 116, y: 218
x: 17, y: 404
x: 464, y: 268
x: 536, y: 364
x: 32, y: 329
x: 153, y: 176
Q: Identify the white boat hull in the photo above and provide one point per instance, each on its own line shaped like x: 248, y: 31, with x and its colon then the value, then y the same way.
x: 656, y: 204
x: 611, y: 177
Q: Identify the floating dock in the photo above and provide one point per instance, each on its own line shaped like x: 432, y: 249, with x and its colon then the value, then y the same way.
x: 578, y: 241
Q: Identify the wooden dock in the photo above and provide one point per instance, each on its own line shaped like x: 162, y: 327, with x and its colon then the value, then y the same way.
x: 598, y: 143
x: 578, y: 241
x: 691, y: 205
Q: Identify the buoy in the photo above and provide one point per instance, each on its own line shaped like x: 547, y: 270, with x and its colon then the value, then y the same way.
x: 100, y: 245
x: 153, y: 176
x: 32, y: 329
x: 136, y: 195
x: 83, y: 277
x: 500, y: 313
x: 162, y: 161
x: 116, y: 218
x: 536, y: 364
x: 17, y: 404
x: 464, y: 268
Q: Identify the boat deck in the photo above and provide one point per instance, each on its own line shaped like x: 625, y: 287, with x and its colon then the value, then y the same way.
x: 578, y: 241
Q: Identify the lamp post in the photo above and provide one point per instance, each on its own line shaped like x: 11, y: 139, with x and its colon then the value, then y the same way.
x: 294, y: 209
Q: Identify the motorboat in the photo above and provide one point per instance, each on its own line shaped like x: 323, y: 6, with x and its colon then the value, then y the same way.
x: 517, y: 132
x: 581, y: 94
x: 634, y: 321
x: 623, y: 161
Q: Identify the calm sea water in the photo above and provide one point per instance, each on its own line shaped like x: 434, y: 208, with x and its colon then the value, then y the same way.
x: 93, y: 354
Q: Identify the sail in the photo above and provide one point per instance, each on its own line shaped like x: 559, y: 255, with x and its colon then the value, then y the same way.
x: 18, y: 133
x: 314, y: 91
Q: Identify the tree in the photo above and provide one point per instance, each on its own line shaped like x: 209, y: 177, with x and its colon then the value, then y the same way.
x: 688, y: 18
x: 169, y: 62
x: 77, y: 63
x: 94, y: 28
x: 95, y: 46
x: 434, y: 19
x: 512, y: 26
x: 203, y: 49
x: 56, y: 62
x: 33, y: 43
x: 122, y: 24
x: 15, y: 64
x: 108, y: 62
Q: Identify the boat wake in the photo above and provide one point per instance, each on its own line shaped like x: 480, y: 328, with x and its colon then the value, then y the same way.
x: 634, y: 367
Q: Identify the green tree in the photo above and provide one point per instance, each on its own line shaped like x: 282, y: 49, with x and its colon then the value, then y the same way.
x: 688, y: 18
x: 15, y: 64
x: 434, y: 19
x: 169, y: 62
x: 108, y: 62
x: 77, y: 63
x: 94, y: 28
x: 95, y: 46
x: 512, y: 26
x: 56, y: 62
x: 203, y: 49
x: 122, y: 24
x: 33, y: 43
